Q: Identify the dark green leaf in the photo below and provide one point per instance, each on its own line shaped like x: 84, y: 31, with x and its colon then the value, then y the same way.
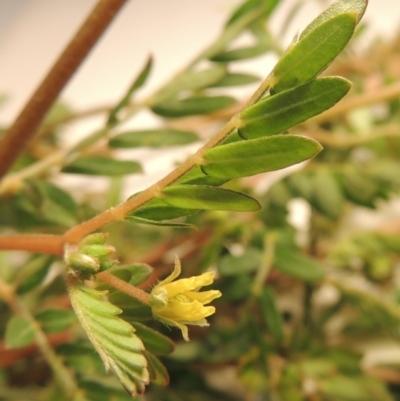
x: 255, y: 156
x: 338, y: 7
x: 208, y: 198
x: 297, y: 265
x: 242, y: 53
x: 248, y: 262
x: 280, y: 112
x: 189, y: 80
x: 93, y: 165
x: 19, y: 333
x: 158, y: 210
x: 155, y: 138
x: 193, y: 106
x: 137, y: 83
x: 271, y: 314
x: 313, y: 53
x: 154, y: 341
x: 236, y: 79
x: 54, y: 320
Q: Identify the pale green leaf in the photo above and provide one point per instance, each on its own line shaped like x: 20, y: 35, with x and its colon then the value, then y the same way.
x: 236, y: 79
x: 313, y: 53
x: 94, y: 165
x: 241, y: 53
x: 19, y: 333
x: 296, y: 265
x: 189, y: 80
x: 328, y: 194
x: 158, y: 372
x: 286, y: 109
x: 338, y: 7
x: 137, y: 83
x: 271, y: 314
x: 113, y: 338
x: 155, y: 138
x: 248, y: 262
x: 193, y: 106
x: 241, y: 159
x: 55, y: 320
x: 208, y: 198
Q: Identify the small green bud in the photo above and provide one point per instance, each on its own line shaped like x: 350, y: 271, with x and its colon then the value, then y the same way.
x: 99, y: 251
x: 83, y: 266
x: 96, y: 238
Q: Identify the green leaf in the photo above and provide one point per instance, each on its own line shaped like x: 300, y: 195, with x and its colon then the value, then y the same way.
x: 271, y: 314
x: 242, y: 53
x: 313, y: 53
x: 113, y: 338
x: 55, y: 320
x: 33, y: 273
x: 236, y: 79
x: 248, y: 6
x: 158, y: 210
x: 93, y: 165
x: 338, y: 7
x: 140, y: 220
x: 19, y: 333
x: 361, y: 388
x: 137, y: 83
x: 94, y: 391
x: 197, y: 176
x: 297, y: 265
x: 133, y: 274
x: 52, y: 204
x: 158, y: 372
x: 256, y: 156
x: 208, y: 198
x: 132, y: 308
x: 156, y: 138
x: 154, y: 341
x: 247, y: 262
x: 286, y: 109
x: 193, y: 106
x: 189, y: 81
x: 328, y: 195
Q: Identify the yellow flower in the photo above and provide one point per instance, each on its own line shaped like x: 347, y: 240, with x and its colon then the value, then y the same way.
x: 179, y: 303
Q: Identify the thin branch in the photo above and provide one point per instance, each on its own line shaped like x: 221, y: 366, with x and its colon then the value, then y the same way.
x: 124, y: 287
x: 38, y: 105
x: 51, y: 244
x: 75, y: 234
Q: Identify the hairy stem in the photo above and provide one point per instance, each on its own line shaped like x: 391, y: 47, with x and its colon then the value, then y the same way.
x: 40, y: 102
x: 124, y: 287
x: 51, y: 244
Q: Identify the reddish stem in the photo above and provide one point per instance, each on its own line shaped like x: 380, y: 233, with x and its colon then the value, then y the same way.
x: 124, y: 287
x: 51, y: 244
x: 32, y: 114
